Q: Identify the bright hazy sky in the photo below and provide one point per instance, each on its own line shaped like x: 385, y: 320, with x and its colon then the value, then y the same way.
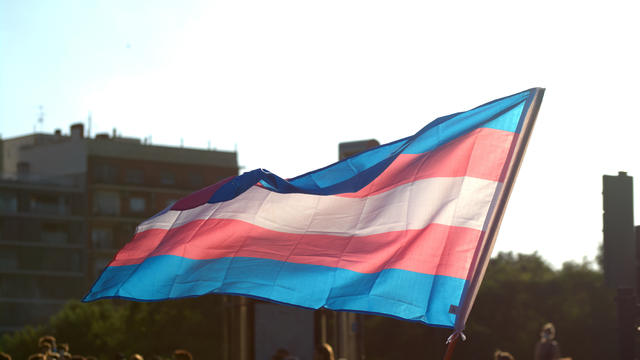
x: 286, y: 81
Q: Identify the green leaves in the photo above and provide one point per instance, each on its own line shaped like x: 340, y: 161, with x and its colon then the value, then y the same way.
x: 106, y: 327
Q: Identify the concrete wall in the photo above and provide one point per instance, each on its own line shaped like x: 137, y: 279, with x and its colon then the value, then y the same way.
x: 129, y: 150
x: 64, y: 158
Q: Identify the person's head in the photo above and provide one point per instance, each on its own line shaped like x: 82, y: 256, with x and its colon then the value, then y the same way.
x: 502, y: 355
x: 323, y: 352
x: 44, y: 347
x: 4, y: 356
x: 47, y: 339
x: 37, y: 357
x: 548, y: 332
x: 63, y: 347
x: 136, y: 357
x: 65, y: 355
x: 182, y: 355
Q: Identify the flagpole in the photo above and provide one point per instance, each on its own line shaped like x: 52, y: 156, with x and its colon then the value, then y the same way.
x: 450, y: 347
x: 481, y: 259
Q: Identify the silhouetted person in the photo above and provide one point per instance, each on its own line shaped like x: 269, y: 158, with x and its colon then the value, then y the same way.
x: 547, y: 348
x: 182, y: 355
x: 44, y: 347
x: 323, y: 352
x: 4, y: 356
x: 47, y: 339
x: 502, y: 355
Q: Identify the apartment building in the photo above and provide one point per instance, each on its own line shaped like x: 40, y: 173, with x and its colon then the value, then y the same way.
x: 69, y: 202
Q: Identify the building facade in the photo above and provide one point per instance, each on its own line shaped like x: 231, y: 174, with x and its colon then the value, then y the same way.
x: 69, y: 202
x: 43, y: 257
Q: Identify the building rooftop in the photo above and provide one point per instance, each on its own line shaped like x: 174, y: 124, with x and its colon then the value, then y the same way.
x: 139, y: 151
x: 40, y: 150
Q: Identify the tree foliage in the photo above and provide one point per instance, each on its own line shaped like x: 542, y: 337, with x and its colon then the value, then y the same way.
x: 518, y: 295
x: 106, y: 327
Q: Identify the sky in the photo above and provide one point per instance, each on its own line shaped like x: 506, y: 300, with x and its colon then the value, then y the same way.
x: 284, y: 82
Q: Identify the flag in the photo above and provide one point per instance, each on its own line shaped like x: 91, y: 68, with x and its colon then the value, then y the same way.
x: 401, y: 230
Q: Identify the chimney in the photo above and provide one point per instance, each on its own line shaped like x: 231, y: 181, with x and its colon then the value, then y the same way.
x: 77, y: 131
x: 102, y: 136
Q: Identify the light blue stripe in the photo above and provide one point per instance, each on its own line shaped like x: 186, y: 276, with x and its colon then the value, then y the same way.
x: 501, y: 115
x: 398, y: 293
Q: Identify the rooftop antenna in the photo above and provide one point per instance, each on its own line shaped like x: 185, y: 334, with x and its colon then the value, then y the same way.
x: 89, y: 125
x: 40, y: 118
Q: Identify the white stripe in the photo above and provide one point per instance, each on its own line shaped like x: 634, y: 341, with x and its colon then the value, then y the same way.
x: 460, y: 201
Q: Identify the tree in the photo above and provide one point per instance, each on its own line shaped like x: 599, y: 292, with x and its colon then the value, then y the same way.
x: 519, y: 294
x: 105, y: 327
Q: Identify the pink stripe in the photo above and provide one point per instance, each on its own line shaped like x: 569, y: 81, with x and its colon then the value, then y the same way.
x: 481, y: 153
x: 437, y: 249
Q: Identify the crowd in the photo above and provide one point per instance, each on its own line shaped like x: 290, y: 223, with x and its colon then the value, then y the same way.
x: 49, y: 349
x: 547, y: 348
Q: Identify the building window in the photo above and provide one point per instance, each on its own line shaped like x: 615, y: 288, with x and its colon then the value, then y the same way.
x: 106, y: 203
x: 15, y: 286
x: 8, y: 202
x: 102, y: 238
x: 134, y: 176
x: 49, y: 204
x: 8, y: 259
x: 61, y: 260
x: 137, y: 204
x: 105, y: 173
x: 58, y: 289
x: 31, y: 259
x: 167, y: 178
x: 54, y: 233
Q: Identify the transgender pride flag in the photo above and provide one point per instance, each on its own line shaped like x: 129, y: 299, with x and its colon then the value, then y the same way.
x: 403, y: 230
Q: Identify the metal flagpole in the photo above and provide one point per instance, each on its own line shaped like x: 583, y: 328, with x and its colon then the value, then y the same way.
x: 481, y: 258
